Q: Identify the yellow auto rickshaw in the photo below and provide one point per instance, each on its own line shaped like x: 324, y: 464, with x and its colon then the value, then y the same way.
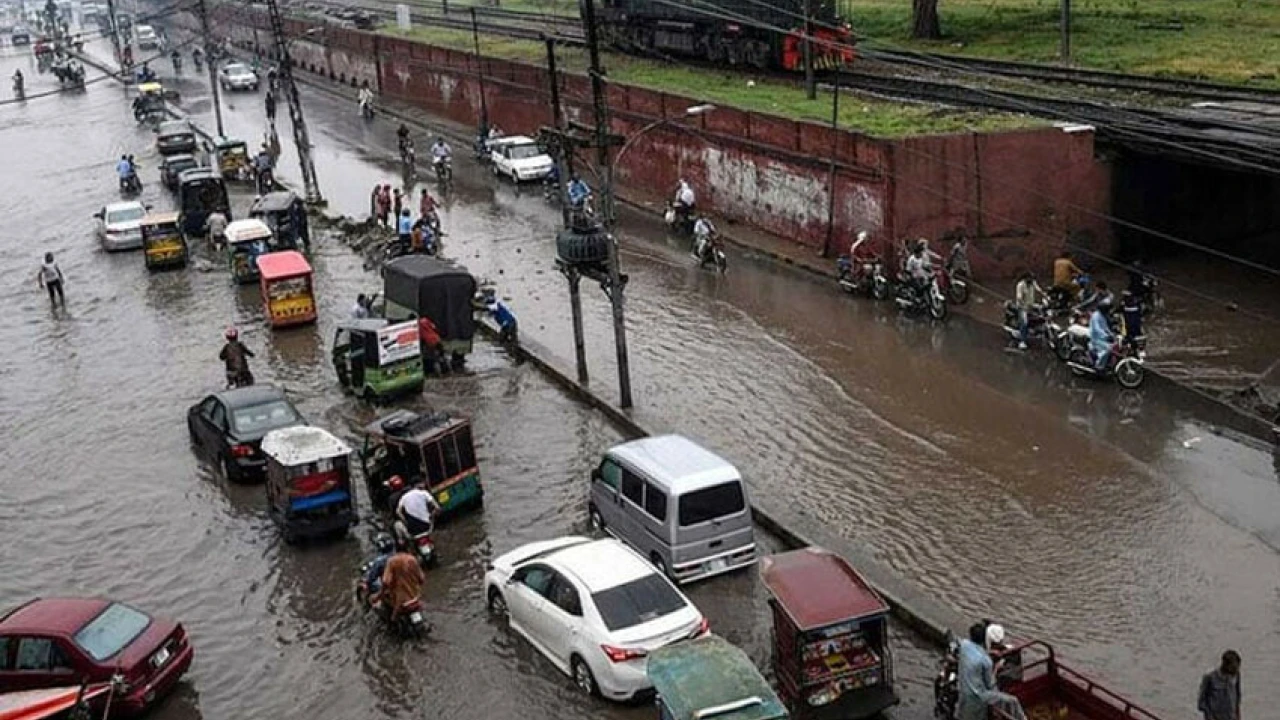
x: 149, y: 106
x: 163, y: 245
x: 231, y: 158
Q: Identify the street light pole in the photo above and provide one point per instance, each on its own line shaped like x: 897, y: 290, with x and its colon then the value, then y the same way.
x: 564, y: 154
x: 213, y: 73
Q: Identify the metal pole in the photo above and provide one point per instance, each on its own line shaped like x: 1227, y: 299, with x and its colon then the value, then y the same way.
x: 209, y: 63
x: 810, y: 84
x: 1066, y: 31
x: 579, y: 340
x: 115, y: 31
x: 557, y: 120
x: 600, y: 102
x: 484, y: 103
x: 831, y: 169
x: 300, y: 139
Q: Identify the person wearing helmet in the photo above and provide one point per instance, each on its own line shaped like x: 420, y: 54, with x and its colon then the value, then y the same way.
x: 1100, y: 336
x: 236, y: 358
x: 385, y: 547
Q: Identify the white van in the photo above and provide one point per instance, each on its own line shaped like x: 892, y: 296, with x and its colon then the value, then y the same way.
x: 680, y: 505
x: 147, y: 38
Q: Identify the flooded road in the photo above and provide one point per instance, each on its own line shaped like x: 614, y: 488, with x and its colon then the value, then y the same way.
x: 1121, y: 528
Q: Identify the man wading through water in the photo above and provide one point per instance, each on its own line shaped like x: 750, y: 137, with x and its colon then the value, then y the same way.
x: 50, y: 277
x: 1220, y: 690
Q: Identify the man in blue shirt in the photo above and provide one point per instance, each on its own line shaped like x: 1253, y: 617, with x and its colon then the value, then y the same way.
x: 1100, y: 337
x: 975, y: 677
x: 124, y: 169
x: 404, y: 228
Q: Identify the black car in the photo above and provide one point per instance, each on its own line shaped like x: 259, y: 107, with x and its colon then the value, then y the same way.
x: 173, y: 165
x: 174, y: 137
x: 229, y: 426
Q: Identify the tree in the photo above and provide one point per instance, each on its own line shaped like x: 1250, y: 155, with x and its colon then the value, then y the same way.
x: 924, y: 20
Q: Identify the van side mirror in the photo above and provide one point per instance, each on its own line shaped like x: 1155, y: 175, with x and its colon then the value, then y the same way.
x: 595, y: 475
x: 98, y: 214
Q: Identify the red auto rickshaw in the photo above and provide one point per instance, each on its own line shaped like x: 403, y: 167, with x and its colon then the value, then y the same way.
x: 287, y: 296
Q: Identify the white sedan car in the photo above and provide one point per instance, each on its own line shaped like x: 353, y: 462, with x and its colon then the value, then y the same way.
x: 120, y: 225
x: 237, y: 76
x: 519, y: 158
x: 594, y: 608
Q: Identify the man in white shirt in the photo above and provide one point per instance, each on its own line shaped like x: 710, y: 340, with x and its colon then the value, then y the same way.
x: 417, y: 507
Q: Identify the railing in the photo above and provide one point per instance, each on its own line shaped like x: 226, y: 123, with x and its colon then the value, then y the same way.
x: 1097, y: 696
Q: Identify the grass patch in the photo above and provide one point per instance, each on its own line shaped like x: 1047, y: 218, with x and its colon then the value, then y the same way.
x: 1234, y: 41
x: 874, y: 117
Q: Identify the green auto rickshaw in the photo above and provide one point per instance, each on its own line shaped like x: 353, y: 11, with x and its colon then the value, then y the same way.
x: 432, y: 448
x: 710, y: 678
x: 378, y: 360
x: 163, y: 245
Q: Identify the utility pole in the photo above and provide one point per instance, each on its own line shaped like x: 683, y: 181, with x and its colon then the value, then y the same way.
x: 484, y: 104
x: 208, y: 56
x: 831, y: 168
x: 310, y: 184
x: 1066, y: 31
x: 115, y: 31
x: 810, y: 84
x: 602, y: 142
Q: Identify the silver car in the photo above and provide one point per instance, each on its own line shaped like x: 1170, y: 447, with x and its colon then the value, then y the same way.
x: 120, y: 226
x: 237, y: 76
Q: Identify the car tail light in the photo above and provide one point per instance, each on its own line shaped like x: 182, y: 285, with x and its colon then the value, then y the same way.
x: 617, y: 654
x: 242, y: 450
x: 704, y: 627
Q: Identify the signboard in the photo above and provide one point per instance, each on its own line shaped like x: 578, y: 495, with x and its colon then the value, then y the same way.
x: 402, y: 17
x: 398, y: 342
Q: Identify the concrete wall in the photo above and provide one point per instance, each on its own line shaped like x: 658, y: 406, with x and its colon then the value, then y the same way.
x: 1020, y: 193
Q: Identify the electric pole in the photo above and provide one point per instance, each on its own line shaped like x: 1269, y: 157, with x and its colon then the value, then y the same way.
x: 115, y: 32
x: 213, y: 73
x: 603, y: 140
x: 1066, y: 31
x: 831, y: 169
x: 484, y: 103
x: 810, y: 84
x: 310, y: 184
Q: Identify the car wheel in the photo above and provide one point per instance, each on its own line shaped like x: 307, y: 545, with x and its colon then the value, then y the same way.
x: 191, y: 432
x: 582, y: 676
x: 597, y: 521
x: 496, y: 173
x: 497, y: 604
x: 228, y: 473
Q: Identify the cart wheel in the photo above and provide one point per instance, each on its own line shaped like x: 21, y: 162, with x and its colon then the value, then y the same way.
x: 583, y: 678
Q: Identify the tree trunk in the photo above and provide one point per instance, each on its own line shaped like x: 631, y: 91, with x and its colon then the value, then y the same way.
x: 924, y: 20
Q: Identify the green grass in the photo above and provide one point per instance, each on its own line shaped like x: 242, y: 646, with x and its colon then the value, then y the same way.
x: 871, y: 116
x: 1236, y: 41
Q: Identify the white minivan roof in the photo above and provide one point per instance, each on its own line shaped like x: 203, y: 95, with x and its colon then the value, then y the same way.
x: 675, y: 463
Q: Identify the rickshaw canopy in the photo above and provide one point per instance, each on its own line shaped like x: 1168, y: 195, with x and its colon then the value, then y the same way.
x: 280, y: 265
x: 404, y: 426
x: 151, y: 88
x: 817, y: 588
x: 241, y: 232
x: 226, y: 144
x: 274, y: 202
x: 711, y: 679
x: 161, y: 219
x: 434, y: 288
x: 302, y: 445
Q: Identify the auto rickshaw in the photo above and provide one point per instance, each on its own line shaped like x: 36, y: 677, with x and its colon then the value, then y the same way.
x: 831, y: 651
x: 378, y: 360
x: 710, y: 677
x: 309, y: 491
x: 200, y: 193
x: 286, y: 215
x: 434, y: 448
x: 150, y: 107
x: 247, y: 240
x: 163, y: 245
x: 231, y: 159
x: 424, y: 286
x: 288, y: 296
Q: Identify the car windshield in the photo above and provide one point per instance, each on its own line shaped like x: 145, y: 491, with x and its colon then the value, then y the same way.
x: 109, y: 632
x: 237, y: 69
x: 710, y: 503
x: 124, y: 215
x: 524, y: 152
x: 261, y: 418
x: 636, y: 602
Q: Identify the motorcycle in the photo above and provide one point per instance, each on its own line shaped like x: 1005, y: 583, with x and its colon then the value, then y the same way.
x: 130, y: 184
x: 197, y: 62
x: 239, y: 378
x: 679, y: 218
x: 265, y: 181
x: 421, y: 546
x: 865, y: 276
x: 444, y: 169
x: 366, y: 109
x: 18, y: 91
x: 410, y: 622
x: 1074, y: 334
x: 946, y: 688
x: 708, y: 252
x: 1063, y: 299
x: 1038, y: 325
x: 408, y: 157
x: 177, y: 65
x: 1123, y: 362
x: 931, y: 301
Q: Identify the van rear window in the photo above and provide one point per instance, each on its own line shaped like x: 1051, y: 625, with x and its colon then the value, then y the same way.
x: 711, y: 503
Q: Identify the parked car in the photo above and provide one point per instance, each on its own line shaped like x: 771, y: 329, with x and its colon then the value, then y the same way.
x: 171, y: 166
x: 174, y: 137
x: 680, y: 505
x: 520, y: 158
x: 120, y: 225
x: 594, y: 608
x: 20, y: 36
x: 147, y: 37
x: 237, y: 76
x: 53, y: 642
x: 228, y: 427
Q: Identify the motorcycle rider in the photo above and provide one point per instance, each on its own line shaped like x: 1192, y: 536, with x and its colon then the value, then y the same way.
x: 919, y: 269
x: 385, y: 548
x: 18, y: 81
x: 703, y: 232
x: 216, y: 226
x: 1025, y: 297
x: 1100, y: 336
x: 262, y: 164
x: 197, y: 57
x: 402, y: 582
x: 236, y: 358
x: 684, y: 203
x: 402, y: 137
x: 958, y: 259
x: 125, y: 170
x: 176, y: 58
x: 1065, y: 273
x: 417, y: 508
x: 440, y: 153
x: 365, y: 97
x: 1141, y: 285
x: 427, y: 211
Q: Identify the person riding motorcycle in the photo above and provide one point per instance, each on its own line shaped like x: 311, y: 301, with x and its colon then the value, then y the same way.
x: 197, y: 57
x: 176, y: 58
x: 402, y: 137
x: 402, y: 582
x: 235, y: 356
x: 146, y: 74
x: 684, y: 203
x: 1100, y: 335
x: 127, y: 172
x: 385, y: 548
x: 18, y: 81
x: 216, y: 226
x: 1065, y: 274
x: 703, y: 239
x: 1026, y: 295
x: 365, y: 99
x: 919, y: 269
x: 440, y: 153
x: 417, y: 508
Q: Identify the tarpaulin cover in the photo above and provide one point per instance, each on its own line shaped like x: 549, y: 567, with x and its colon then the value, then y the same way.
x: 435, y: 288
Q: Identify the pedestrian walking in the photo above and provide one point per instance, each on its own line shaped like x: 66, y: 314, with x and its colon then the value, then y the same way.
x: 270, y: 102
x: 397, y: 202
x: 1220, y: 690
x: 51, y: 279
x: 384, y: 206
x: 373, y: 201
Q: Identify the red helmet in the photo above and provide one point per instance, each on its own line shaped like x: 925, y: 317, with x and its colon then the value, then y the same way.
x: 396, y: 483
x: 232, y: 333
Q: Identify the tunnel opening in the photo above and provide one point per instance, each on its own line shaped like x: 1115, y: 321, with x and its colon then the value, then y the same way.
x: 1232, y: 211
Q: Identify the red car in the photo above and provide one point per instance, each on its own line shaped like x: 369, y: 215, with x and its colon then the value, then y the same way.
x: 60, y: 641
